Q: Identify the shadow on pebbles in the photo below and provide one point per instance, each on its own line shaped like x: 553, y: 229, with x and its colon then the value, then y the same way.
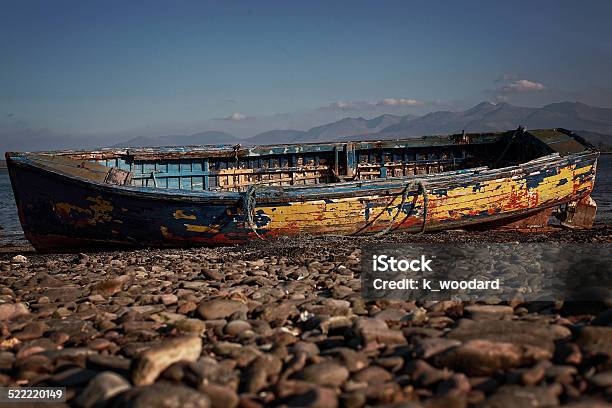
x: 283, y: 324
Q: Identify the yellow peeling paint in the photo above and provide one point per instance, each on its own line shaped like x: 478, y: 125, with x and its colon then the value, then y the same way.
x: 65, y: 209
x: 180, y: 215
x: 500, y: 196
x: 99, y: 211
x: 212, y: 229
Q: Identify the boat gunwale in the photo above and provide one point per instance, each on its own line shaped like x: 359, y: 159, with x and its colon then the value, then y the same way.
x: 246, y: 151
x: 221, y: 150
x: 345, y: 189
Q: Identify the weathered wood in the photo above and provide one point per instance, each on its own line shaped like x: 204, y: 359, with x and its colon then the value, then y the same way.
x: 183, y: 199
x: 579, y: 214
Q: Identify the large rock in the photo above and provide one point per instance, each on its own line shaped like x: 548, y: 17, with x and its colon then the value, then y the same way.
x: 220, y: 308
x: 234, y: 328
x: 430, y: 346
x: 596, y: 340
x: 103, y: 387
x: 510, y: 331
x: 161, y: 395
x: 315, y: 397
x: 326, y: 373
x: 191, y: 326
x: 9, y: 311
x: 168, y: 298
x: 603, y: 379
x: 110, y: 287
x: 32, y: 330
x: 19, y: 259
x: 375, y: 331
x: 483, y: 357
x: 208, y: 371
x: 372, y: 375
x: 350, y: 358
x: 260, y: 370
x: 219, y: 395
x: 487, y: 312
x: 421, y: 372
x: 155, y: 360
x: 512, y: 396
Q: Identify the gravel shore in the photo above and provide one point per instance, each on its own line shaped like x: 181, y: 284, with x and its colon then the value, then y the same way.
x: 282, y: 323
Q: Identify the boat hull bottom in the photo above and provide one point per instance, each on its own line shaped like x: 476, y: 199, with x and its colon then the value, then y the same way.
x: 534, y: 220
x: 538, y: 221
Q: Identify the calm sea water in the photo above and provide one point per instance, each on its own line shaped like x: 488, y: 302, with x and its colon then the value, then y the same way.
x: 11, y: 232
x: 602, y: 194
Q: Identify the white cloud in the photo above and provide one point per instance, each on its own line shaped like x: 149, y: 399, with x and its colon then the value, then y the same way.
x: 399, y: 102
x: 522, y: 85
x: 343, y: 105
x: 348, y: 106
x: 236, y: 116
x: 371, y: 105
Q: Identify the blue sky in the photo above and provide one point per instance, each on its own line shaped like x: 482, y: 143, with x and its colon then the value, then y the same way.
x: 90, y: 67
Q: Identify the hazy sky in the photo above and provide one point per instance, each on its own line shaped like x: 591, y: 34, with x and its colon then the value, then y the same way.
x: 159, y: 66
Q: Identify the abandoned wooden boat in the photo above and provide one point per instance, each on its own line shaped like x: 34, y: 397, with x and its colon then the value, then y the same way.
x: 231, y: 194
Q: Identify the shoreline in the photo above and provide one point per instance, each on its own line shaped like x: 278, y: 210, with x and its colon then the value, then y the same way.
x: 284, y: 323
x: 600, y: 233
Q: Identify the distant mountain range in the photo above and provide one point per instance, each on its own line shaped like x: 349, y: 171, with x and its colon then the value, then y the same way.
x: 595, y: 122
x: 347, y: 127
x: 209, y: 137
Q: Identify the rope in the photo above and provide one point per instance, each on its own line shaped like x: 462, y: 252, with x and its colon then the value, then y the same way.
x: 236, y: 148
x: 421, y: 190
x: 399, y: 210
x: 154, y: 179
x: 248, y: 203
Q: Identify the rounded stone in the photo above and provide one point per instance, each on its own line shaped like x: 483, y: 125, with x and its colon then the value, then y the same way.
x: 326, y: 373
x: 235, y: 327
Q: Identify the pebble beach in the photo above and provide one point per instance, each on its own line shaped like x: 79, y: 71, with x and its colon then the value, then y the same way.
x: 283, y: 323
